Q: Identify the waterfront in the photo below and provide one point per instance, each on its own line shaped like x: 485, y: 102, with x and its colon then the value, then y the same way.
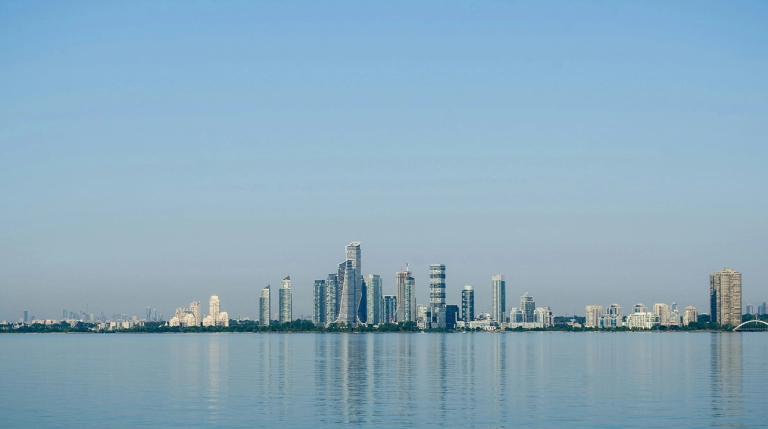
x: 544, y: 379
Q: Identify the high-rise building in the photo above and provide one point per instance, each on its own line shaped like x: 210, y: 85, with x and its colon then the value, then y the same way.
x: 661, y: 310
x: 194, y: 308
x: 613, y: 316
x: 318, y: 309
x: 214, y: 307
x: 451, y: 316
x: 26, y: 317
x: 352, y: 286
x: 499, y: 303
x: 332, y: 298
x: 149, y: 314
x: 639, y: 308
x: 527, y: 306
x: 543, y: 317
x: 437, y: 285
x: 690, y: 315
x: 389, y: 308
x: 264, y: 310
x: 285, y: 300
x: 762, y: 308
x: 750, y: 309
x: 593, y: 315
x: 725, y: 297
x: 468, y: 304
x: 437, y: 297
x: 373, y: 299
x: 406, y: 296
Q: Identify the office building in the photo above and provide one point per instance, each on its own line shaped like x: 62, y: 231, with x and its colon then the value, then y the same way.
x: 690, y: 315
x: 285, y: 301
x: 389, y: 310
x: 264, y: 309
x: 406, y: 296
x: 725, y: 297
x: 592, y: 316
x: 468, y: 304
x: 498, y: 303
x: 318, y: 307
x: 373, y: 299
x: 527, y: 306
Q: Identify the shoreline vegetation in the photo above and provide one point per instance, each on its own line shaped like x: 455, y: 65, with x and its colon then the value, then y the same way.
x: 306, y: 326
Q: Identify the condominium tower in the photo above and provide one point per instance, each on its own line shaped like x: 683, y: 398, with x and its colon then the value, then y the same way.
x: 264, y: 307
x: 406, y: 296
x: 285, y: 300
x: 498, y: 305
x: 468, y: 304
x: 352, y: 284
x: 318, y: 307
x: 373, y: 299
x: 725, y: 297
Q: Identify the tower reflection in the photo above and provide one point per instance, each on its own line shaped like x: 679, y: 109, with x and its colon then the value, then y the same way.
x: 726, y: 379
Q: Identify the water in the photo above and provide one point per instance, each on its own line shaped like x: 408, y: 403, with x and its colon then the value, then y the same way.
x: 385, y: 380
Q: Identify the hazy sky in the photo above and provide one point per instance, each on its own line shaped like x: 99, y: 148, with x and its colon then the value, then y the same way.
x: 156, y: 153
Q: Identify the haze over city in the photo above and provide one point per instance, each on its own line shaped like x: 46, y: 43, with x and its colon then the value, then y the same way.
x: 154, y: 155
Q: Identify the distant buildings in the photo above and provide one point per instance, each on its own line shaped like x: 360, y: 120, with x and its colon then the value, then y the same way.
x: 467, y: 304
x: 596, y: 318
x: 285, y: 300
x: 641, y: 318
x: 593, y: 316
x: 332, y: 292
x: 264, y: 307
x: 662, y: 311
x: 215, y: 316
x: 725, y: 297
x: 762, y: 308
x: 498, y: 303
x: 351, y: 297
x: 527, y: 307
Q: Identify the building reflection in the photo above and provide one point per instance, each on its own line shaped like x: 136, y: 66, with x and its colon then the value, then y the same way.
x: 217, y: 352
x: 726, y: 379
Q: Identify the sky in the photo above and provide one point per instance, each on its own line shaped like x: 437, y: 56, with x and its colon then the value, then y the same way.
x: 156, y: 153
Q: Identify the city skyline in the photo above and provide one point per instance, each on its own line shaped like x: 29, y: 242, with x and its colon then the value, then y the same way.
x: 576, y: 148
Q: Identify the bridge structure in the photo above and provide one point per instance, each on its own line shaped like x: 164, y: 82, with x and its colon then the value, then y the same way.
x: 753, y: 325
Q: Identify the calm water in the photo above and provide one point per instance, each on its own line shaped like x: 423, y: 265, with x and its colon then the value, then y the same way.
x: 384, y: 380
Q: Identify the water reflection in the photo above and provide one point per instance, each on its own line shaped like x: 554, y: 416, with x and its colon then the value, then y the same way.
x: 726, y: 379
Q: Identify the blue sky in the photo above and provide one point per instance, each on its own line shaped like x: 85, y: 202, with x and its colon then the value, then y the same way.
x: 155, y: 153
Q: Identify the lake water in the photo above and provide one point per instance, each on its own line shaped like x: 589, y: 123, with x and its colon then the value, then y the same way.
x: 547, y: 380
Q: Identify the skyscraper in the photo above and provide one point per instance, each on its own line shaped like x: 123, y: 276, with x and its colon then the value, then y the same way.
x: 352, y: 286
x: 318, y: 309
x: 332, y: 298
x: 214, y: 307
x: 406, y: 296
x: 750, y: 308
x: 613, y: 317
x: 437, y: 297
x: 375, y: 306
x: 149, y: 314
x: 437, y: 285
x: 389, y: 308
x: 498, y: 305
x: 725, y: 297
x: 285, y: 300
x: 26, y: 316
x: 264, y: 309
x: 467, y: 304
x: 527, y: 306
